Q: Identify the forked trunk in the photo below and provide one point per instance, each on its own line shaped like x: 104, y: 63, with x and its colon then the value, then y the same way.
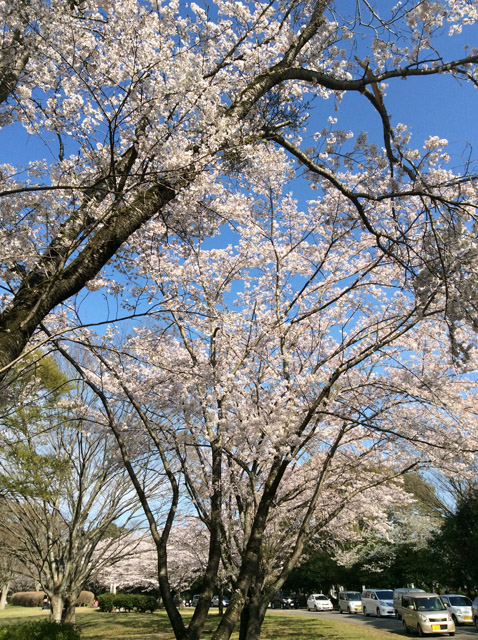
x: 252, y: 617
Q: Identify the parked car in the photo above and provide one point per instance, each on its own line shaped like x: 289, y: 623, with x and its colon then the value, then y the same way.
x: 425, y: 613
x: 319, y: 602
x: 349, y: 601
x: 377, y: 602
x: 280, y: 601
x: 474, y: 612
x: 195, y: 600
x: 215, y: 601
x: 459, y: 606
x: 397, y: 599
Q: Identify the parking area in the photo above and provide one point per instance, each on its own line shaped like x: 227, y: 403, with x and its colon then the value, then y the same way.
x: 387, y: 624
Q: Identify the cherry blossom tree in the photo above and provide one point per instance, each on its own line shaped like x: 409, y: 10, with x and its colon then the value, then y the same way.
x: 143, y: 108
x: 289, y: 381
x: 187, y: 559
x: 293, y: 361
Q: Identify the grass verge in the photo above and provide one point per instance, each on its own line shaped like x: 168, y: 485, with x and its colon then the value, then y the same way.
x: 95, y: 625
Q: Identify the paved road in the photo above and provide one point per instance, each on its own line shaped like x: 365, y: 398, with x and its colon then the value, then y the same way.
x: 388, y: 624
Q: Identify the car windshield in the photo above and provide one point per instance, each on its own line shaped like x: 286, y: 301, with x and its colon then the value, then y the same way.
x: 321, y: 597
x: 385, y: 594
x: 433, y: 603
x: 459, y: 601
x: 353, y: 595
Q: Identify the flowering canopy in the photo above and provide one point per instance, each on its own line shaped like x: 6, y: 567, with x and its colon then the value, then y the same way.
x: 295, y: 345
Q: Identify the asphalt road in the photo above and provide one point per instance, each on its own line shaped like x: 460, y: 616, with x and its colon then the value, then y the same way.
x: 392, y: 625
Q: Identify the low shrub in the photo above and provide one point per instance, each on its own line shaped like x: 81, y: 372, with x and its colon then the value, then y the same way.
x: 40, y: 630
x: 35, y: 599
x: 105, y: 602
x: 127, y: 602
x: 27, y: 599
x: 85, y: 599
x: 146, y: 603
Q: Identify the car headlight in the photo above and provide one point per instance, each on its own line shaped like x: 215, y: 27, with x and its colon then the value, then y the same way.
x: 422, y: 618
x: 450, y: 618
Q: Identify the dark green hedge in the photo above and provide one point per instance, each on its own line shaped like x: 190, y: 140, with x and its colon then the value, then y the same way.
x: 126, y: 602
x: 40, y: 630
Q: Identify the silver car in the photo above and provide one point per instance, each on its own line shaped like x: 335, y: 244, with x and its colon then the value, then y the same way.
x: 474, y: 612
x: 350, y: 602
x: 459, y: 606
x: 425, y: 613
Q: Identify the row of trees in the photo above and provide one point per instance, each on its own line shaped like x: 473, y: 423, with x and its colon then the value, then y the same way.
x: 433, y: 547
x: 290, y: 308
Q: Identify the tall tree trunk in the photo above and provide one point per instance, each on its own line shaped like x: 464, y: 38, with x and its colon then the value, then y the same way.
x: 51, y: 282
x: 3, y: 596
x: 56, y: 607
x: 252, y: 616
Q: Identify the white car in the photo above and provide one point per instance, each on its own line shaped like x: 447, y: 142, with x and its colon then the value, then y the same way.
x: 319, y: 602
x: 377, y: 602
x: 459, y: 606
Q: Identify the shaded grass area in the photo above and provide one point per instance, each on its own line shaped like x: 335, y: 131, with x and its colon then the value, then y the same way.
x: 95, y: 625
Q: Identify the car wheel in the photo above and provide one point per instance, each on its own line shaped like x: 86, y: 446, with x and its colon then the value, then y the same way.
x: 420, y: 631
x: 316, y: 610
x: 455, y: 619
x: 452, y: 633
x: 405, y: 627
x: 349, y: 610
x: 379, y: 615
x: 475, y: 620
x: 340, y: 610
x: 365, y: 611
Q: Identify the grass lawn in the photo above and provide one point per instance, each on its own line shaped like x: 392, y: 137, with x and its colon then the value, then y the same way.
x: 95, y: 625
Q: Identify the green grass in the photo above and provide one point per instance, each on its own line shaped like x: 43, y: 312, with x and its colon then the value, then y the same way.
x: 95, y: 625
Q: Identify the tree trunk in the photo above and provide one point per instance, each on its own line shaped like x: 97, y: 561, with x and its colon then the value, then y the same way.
x: 252, y: 615
x: 50, y: 283
x: 56, y: 607
x: 69, y: 610
x: 3, y: 596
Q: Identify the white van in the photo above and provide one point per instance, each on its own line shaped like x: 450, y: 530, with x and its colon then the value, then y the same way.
x: 349, y: 602
x: 397, y: 599
x: 377, y: 602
